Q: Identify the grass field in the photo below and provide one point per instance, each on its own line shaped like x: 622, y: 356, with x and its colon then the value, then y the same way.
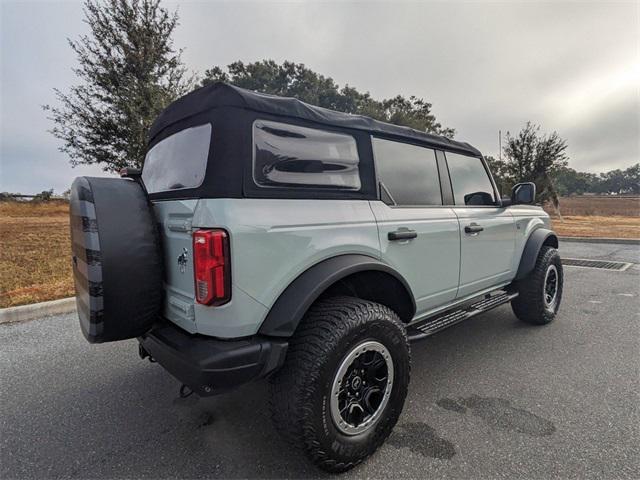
x: 35, y: 263
x: 598, y: 206
x: 610, y: 217
x: 35, y: 259
x: 597, y: 226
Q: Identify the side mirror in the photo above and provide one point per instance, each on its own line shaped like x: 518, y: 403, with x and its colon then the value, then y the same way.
x: 523, y: 194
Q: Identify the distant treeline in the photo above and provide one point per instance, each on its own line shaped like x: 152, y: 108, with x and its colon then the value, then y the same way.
x: 43, y: 196
x: 569, y: 181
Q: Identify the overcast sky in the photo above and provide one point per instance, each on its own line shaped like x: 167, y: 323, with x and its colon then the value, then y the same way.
x: 573, y: 67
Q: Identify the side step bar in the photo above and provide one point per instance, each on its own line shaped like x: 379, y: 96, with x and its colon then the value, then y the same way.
x: 429, y: 326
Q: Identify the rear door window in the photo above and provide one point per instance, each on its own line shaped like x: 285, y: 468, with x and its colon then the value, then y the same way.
x: 470, y: 181
x: 179, y: 161
x: 408, y: 173
x: 292, y: 156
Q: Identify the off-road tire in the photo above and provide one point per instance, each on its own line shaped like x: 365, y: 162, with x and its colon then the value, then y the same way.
x: 530, y: 306
x: 301, y: 389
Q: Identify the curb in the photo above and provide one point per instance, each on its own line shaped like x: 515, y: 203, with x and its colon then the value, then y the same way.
x: 623, y: 241
x: 23, y: 313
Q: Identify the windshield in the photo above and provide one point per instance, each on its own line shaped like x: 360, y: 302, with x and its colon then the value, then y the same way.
x: 179, y: 161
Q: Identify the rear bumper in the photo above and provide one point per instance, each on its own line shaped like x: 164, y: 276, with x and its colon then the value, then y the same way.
x: 209, y: 365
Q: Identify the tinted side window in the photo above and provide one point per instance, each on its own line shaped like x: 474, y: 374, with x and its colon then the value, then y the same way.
x: 294, y: 156
x: 179, y: 161
x: 470, y: 181
x: 409, y: 173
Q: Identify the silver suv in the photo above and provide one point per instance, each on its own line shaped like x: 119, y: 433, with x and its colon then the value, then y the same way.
x: 270, y: 238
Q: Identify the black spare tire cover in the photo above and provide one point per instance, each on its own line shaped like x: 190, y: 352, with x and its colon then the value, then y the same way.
x: 117, y: 262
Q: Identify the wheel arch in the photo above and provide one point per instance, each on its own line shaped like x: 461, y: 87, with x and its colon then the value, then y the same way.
x: 353, y: 274
x: 539, y: 238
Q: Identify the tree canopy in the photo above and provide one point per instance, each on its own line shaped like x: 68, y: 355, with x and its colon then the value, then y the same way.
x: 128, y: 71
x: 531, y: 156
x: 296, y: 80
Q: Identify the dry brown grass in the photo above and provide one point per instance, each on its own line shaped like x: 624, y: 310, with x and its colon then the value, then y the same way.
x: 597, y: 226
x: 598, y: 206
x: 35, y: 259
x: 592, y: 216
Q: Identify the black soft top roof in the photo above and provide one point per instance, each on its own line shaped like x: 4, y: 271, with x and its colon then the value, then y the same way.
x: 221, y: 94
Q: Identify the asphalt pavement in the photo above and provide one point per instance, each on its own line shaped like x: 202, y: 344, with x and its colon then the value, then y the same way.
x: 489, y: 398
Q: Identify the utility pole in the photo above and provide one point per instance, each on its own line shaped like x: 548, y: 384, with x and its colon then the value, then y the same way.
x: 500, y: 145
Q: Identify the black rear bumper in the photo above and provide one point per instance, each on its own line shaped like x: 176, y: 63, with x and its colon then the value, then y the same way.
x: 209, y: 365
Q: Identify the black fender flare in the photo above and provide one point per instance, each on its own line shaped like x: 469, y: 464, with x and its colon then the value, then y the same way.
x: 288, y: 310
x: 532, y: 248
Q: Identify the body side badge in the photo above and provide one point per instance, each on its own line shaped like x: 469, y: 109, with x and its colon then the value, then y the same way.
x: 183, y: 259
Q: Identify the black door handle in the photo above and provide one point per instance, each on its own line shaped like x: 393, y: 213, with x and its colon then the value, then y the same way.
x: 402, y: 235
x: 473, y: 228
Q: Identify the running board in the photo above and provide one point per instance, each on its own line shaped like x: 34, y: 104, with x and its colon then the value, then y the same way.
x: 428, y: 327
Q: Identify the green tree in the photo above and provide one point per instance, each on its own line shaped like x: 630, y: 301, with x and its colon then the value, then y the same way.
x: 501, y: 174
x: 620, y: 181
x: 632, y: 179
x: 535, y: 157
x: 43, y: 196
x: 128, y: 71
x: 571, y: 182
x: 612, y: 181
x: 296, y: 80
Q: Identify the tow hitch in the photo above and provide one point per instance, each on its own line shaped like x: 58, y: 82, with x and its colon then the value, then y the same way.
x: 144, y: 354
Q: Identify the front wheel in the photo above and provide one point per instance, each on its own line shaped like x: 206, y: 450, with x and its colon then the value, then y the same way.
x: 540, y: 293
x: 344, y: 382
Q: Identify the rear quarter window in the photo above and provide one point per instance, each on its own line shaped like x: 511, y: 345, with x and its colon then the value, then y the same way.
x: 179, y: 161
x: 292, y: 156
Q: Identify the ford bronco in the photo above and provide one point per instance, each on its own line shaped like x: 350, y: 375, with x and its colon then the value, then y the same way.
x: 265, y: 237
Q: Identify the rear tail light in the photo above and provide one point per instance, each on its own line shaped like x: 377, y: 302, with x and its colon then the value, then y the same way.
x: 211, y: 267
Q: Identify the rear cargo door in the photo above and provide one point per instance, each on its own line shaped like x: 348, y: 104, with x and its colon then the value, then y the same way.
x: 173, y: 166
x: 174, y: 220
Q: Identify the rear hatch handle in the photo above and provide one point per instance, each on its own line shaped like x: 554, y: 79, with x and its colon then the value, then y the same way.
x: 179, y: 225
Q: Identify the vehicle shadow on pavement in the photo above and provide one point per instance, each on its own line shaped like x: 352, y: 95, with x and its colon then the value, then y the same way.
x: 128, y: 421
x: 227, y: 436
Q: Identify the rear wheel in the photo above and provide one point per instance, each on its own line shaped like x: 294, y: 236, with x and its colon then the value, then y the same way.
x: 540, y: 293
x: 344, y: 382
